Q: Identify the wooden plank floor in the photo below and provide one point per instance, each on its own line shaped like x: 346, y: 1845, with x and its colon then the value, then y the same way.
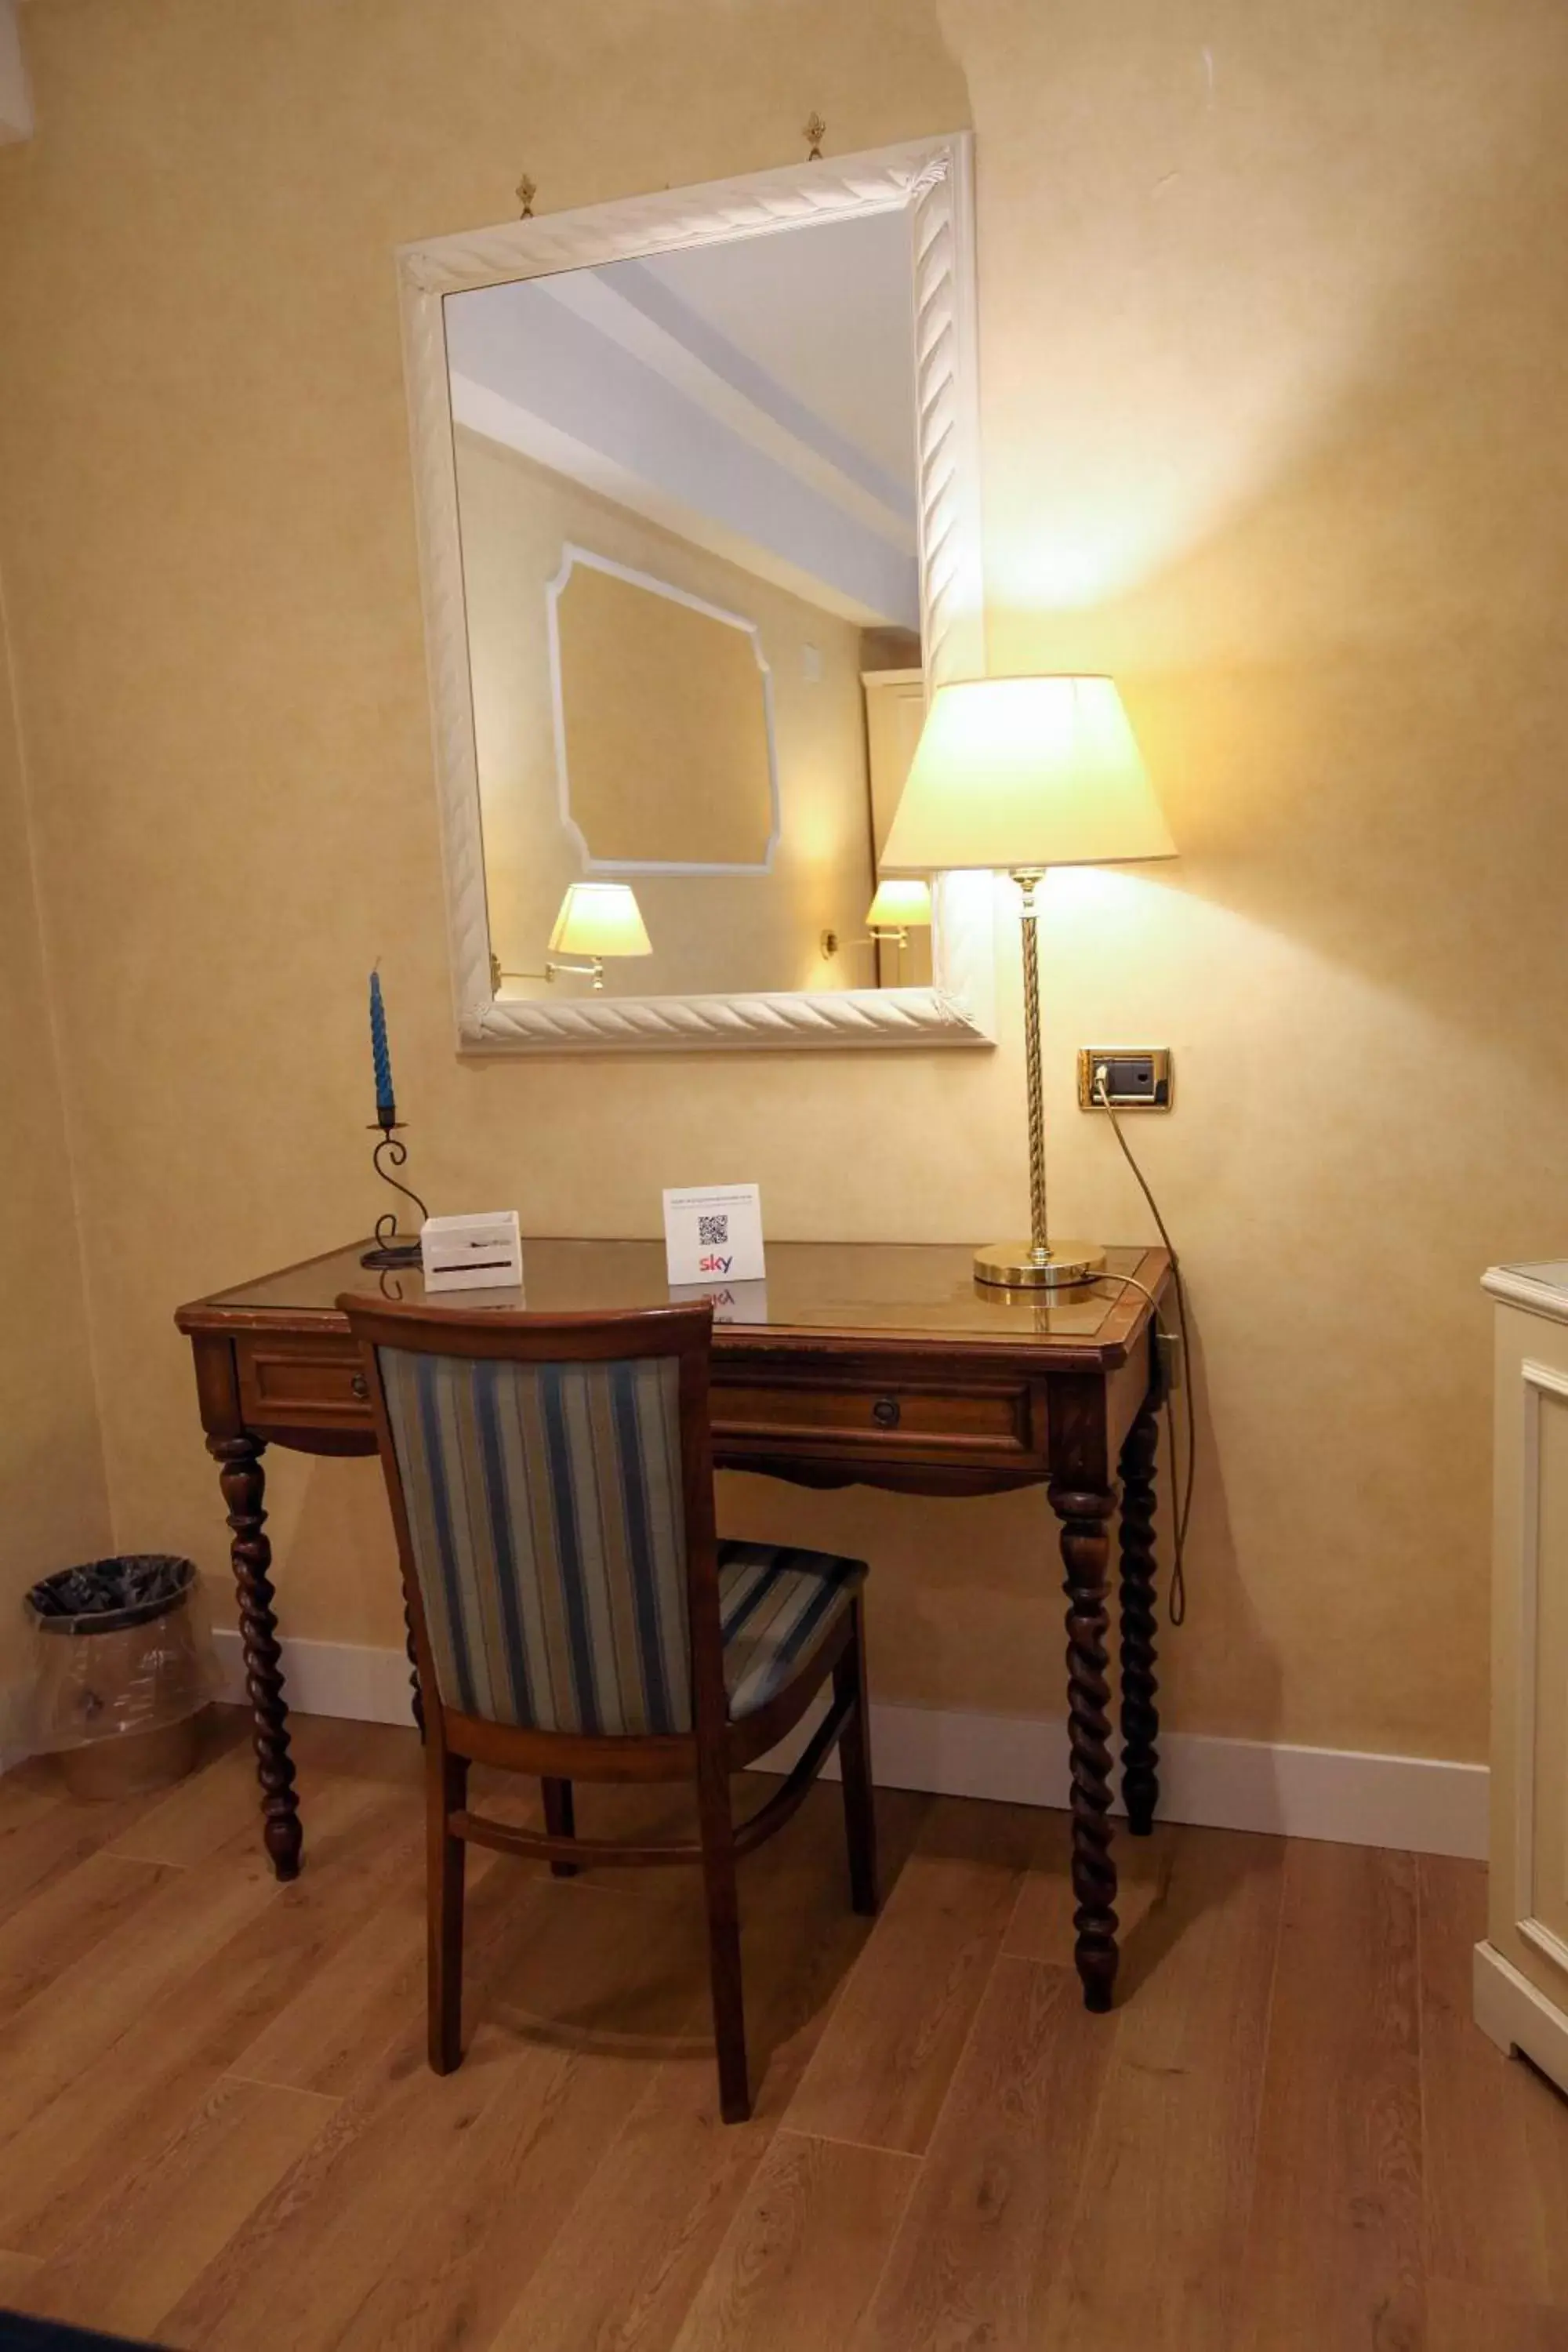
x: 218, y: 2131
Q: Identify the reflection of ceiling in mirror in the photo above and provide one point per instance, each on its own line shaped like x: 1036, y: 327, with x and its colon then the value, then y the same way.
x: 756, y: 398
x: 795, y: 306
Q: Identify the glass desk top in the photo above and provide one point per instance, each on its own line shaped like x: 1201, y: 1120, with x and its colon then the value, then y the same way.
x: 916, y: 1289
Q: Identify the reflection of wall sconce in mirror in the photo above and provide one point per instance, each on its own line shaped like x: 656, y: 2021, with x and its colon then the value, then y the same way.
x: 596, y: 919
x: 903, y: 905
x: 900, y: 906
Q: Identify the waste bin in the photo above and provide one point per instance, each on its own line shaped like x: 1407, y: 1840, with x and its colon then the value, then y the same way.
x: 124, y: 1668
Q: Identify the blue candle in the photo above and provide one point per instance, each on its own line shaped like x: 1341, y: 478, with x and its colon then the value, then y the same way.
x: 386, y: 1102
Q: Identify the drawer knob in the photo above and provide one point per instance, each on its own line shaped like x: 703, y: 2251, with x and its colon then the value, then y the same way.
x: 887, y: 1413
x: 361, y: 1386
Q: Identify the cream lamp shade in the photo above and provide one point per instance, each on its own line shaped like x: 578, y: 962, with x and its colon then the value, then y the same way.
x: 903, y: 903
x: 600, y: 918
x: 1019, y: 773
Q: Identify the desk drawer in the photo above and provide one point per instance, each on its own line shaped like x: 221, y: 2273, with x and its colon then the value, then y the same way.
x: 990, y: 1419
x: 300, y: 1382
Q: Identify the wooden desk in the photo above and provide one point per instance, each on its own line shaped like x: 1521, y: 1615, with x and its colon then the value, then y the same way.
x: 884, y: 1365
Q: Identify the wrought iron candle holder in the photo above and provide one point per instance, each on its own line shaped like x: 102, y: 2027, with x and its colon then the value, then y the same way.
x: 393, y: 1248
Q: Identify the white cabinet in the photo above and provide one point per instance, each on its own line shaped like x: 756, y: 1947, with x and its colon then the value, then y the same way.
x: 895, y: 713
x: 1522, y: 1970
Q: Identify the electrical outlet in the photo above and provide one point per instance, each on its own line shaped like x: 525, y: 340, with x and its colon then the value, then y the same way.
x: 1136, y: 1077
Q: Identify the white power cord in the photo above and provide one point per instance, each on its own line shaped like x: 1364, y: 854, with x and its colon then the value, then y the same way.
x: 1178, y: 1603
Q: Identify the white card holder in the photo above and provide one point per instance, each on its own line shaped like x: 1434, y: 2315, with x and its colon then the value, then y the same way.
x: 481, y: 1252
x: 713, y: 1233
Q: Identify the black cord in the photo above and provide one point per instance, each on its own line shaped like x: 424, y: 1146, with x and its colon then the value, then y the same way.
x: 1178, y: 1603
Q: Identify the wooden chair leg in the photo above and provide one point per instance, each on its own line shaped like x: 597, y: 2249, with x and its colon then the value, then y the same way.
x: 721, y: 1896
x: 560, y: 1820
x: 855, y: 1766
x: 445, y: 1791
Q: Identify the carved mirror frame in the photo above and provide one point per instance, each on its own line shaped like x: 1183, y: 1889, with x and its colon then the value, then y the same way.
x: 931, y: 179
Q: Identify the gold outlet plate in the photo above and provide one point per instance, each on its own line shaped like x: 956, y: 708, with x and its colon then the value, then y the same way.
x: 1142, y: 1076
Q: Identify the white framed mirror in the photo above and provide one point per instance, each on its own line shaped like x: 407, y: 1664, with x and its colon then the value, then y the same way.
x: 697, y: 495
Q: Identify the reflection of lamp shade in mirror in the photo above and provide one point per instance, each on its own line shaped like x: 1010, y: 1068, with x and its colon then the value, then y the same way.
x: 902, y: 903
x: 600, y: 918
x: 1021, y: 772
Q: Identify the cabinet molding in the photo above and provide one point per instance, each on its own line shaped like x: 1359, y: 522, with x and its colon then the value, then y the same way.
x: 1521, y: 1968
x: 1512, y: 2012
x: 1544, y: 1388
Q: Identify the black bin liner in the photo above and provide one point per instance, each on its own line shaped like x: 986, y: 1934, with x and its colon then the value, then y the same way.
x: 105, y: 1596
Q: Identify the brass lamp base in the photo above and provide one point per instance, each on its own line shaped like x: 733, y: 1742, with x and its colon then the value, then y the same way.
x: 1017, y: 1266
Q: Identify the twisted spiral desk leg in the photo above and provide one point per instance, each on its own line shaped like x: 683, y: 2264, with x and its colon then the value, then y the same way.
x: 243, y: 1481
x: 1139, y: 1716
x: 1086, y: 1553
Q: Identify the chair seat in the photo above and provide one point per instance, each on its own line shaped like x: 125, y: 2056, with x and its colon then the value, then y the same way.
x: 778, y: 1606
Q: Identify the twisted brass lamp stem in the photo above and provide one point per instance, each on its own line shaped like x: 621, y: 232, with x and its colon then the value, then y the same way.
x: 1036, y: 1263
x: 1039, y: 1247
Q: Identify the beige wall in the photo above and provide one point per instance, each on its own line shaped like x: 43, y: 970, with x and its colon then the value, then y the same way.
x: 1274, y: 327
x: 53, y: 1504
x: 709, y: 932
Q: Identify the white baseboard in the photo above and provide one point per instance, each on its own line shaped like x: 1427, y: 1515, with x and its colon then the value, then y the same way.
x: 348, y: 1678
x: 1517, y: 2016
x: 1415, y: 1803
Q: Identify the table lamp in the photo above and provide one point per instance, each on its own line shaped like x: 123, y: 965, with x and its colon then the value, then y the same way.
x: 596, y: 919
x: 1021, y: 774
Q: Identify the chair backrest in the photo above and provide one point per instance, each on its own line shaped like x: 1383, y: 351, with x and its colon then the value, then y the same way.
x: 550, y: 1480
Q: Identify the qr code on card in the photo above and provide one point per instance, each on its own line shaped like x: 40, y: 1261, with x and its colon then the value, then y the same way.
x: 712, y: 1232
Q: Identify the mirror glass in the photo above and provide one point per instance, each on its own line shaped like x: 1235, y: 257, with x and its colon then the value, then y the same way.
x: 687, y: 500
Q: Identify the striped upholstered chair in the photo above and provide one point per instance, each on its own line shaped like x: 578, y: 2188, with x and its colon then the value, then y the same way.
x: 575, y: 1616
